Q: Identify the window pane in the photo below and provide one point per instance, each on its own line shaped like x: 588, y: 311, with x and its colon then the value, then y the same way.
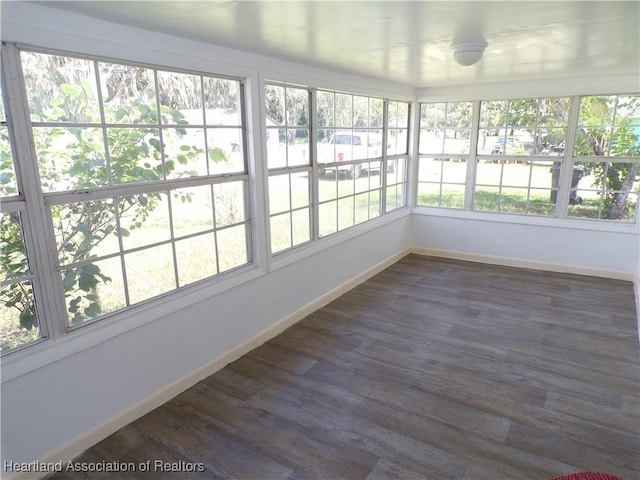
x: 229, y: 204
x: 196, y: 258
x: 328, y: 218
x: 298, y: 148
x: 135, y: 155
x: 60, y: 89
x: 182, y: 93
x: 150, y: 263
x: 18, y: 319
x: 279, y: 192
x: 280, y: 232
x: 299, y: 190
x: 604, y: 190
x: 297, y: 106
x: 345, y: 213
x: 71, y: 158
x: 93, y: 289
x: 191, y: 210
x: 429, y: 194
x: 232, y: 247
x: 494, y: 113
x: 222, y: 101
x: 344, y: 110
x: 144, y: 219
x: 184, y: 152
x: 225, y: 150
x: 84, y: 230
x: 375, y: 112
x: 325, y: 109
x: 457, y: 142
x: 360, y: 111
x: 275, y: 105
x: 441, y: 182
x: 301, y: 226
x: 8, y: 184
x: 520, y: 187
x: 129, y: 93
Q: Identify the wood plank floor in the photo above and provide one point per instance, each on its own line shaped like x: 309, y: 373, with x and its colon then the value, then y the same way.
x: 432, y: 369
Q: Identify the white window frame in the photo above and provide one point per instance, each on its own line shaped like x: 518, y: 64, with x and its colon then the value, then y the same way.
x: 34, y: 205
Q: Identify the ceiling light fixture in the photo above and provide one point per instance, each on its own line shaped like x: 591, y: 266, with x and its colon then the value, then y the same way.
x: 468, y: 53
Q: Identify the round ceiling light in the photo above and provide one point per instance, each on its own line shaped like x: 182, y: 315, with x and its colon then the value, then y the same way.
x: 468, y: 53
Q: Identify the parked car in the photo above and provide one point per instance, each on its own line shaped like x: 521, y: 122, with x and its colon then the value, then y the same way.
x: 353, y: 145
x: 511, y: 143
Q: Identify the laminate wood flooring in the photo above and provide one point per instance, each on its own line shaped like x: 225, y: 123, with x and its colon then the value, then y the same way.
x: 432, y: 369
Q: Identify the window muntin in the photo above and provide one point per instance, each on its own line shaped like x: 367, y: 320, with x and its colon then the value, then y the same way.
x: 605, y: 190
x: 346, y: 199
x: 351, y: 159
x: 532, y: 126
x: 607, y: 158
x: 144, y: 174
x: 288, y: 131
x: 444, y: 143
x: 445, y: 128
x: 441, y: 182
x: 509, y: 186
x: 396, y: 184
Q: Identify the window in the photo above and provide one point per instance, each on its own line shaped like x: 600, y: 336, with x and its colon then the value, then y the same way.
x: 19, y: 322
x: 514, y: 172
x: 350, y: 155
x: 397, y: 151
x: 445, y: 132
x: 606, y: 171
x: 143, y: 176
x: 289, y: 162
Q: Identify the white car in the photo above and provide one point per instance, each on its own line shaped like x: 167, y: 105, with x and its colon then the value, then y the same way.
x: 350, y: 145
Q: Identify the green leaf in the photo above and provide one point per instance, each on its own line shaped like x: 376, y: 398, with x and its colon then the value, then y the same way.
x: 121, y: 113
x: 72, y: 90
x: 217, y: 155
x: 93, y: 310
x: 28, y: 318
x: 6, y: 177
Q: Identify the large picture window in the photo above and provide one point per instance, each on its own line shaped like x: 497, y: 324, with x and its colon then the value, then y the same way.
x: 607, y: 158
x: 144, y: 181
x: 520, y: 151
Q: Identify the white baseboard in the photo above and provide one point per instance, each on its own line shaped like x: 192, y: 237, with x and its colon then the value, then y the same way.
x: 75, y: 447
x: 523, y: 263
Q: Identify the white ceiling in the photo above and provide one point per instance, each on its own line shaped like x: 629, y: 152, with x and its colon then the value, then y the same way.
x: 405, y: 41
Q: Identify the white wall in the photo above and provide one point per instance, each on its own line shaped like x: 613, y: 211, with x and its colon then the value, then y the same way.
x: 554, y: 246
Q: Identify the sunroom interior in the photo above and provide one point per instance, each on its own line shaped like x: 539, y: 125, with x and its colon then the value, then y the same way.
x: 181, y: 181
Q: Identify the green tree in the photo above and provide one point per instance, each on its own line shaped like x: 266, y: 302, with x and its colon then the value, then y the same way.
x: 597, y: 136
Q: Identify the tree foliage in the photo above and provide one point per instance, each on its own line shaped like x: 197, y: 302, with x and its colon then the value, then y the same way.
x: 72, y: 157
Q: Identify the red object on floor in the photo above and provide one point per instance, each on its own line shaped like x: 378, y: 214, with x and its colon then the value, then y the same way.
x: 588, y: 476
